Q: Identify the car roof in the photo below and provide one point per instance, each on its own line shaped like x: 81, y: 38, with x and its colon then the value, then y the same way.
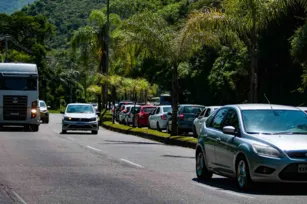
x: 163, y: 106
x: 79, y: 104
x: 191, y: 105
x: 24, y: 68
x: 262, y: 106
x: 213, y: 107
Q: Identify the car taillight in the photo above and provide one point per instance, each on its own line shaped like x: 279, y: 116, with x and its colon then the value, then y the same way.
x: 181, y: 116
x: 34, y: 109
x: 163, y: 117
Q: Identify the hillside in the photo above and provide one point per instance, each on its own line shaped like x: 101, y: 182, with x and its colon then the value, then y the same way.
x: 10, y: 6
x: 67, y: 16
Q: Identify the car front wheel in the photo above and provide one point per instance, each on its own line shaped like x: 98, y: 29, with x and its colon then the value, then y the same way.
x: 202, y: 171
x: 243, y: 179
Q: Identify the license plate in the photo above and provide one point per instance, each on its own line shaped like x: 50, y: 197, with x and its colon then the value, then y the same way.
x: 302, y: 168
x: 191, y: 119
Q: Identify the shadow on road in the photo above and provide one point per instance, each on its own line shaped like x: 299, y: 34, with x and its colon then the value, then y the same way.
x: 259, y: 189
x: 179, y: 157
x: 130, y: 142
x: 15, y: 129
x: 76, y: 133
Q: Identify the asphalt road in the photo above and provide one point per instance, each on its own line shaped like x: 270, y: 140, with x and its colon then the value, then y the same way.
x: 48, y: 167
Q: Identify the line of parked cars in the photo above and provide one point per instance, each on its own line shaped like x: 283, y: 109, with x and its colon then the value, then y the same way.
x: 248, y: 142
x: 159, y: 117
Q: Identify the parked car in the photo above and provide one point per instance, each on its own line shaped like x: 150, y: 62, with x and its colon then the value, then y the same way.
x: 44, y: 113
x: 141, y: 118
x: 80, y: 116
x: 122, y: 115
x: 186, y: 116
x: 130, y: 114
x: 120, y: 108
x: 254, y: 143
x: 158, y: 119
x: 202, y: 117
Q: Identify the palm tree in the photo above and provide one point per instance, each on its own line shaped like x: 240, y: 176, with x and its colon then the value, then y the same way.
x: 91, y: 41
x: 239, y: 22
x: 149, y: 35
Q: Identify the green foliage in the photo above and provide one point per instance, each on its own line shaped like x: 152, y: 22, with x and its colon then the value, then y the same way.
x: 67, y: 16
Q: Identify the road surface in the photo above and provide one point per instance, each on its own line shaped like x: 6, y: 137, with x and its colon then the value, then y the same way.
x: 48, y: 167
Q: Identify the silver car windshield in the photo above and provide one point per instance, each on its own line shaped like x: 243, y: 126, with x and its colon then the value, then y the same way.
x: 274, y: 121
x: 80, y: 109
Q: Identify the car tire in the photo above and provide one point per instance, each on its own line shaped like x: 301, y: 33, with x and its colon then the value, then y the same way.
x: 158, y: 127
x: 202, y: 171
x: 64, y: 131
x: 243, y: 179
x: 194, y: 132
x: 46, y: 120
x: 94, y: 132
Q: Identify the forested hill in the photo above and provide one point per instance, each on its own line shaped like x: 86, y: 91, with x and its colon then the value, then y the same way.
x: 67, y: 16
x: 10, y: 6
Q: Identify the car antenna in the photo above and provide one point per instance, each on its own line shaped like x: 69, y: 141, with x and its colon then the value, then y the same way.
x: 268, y: 100
x: 300, y: 104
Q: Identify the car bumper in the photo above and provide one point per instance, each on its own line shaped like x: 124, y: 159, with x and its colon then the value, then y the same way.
x: 44, y: 115
x: 86, y: 126
x: 285, y: 170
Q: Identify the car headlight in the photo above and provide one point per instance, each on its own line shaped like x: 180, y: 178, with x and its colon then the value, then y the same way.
x: 67, y: 118
x: 93, y: 119
x: 267, y: 151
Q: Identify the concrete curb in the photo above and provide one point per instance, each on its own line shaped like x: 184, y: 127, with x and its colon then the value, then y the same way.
x: 168, y: 141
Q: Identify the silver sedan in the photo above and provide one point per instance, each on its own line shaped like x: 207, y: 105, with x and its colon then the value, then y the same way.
x: 254, y: 143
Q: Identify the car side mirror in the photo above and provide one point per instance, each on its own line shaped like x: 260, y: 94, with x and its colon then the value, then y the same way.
x: 98, y: 113
x: 48, y: 107
x: 230, y: 130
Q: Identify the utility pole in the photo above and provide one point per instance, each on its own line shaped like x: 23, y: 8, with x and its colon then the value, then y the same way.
x: 107, y: 48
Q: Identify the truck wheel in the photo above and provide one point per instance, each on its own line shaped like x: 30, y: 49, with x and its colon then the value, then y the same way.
x: 34, y: 128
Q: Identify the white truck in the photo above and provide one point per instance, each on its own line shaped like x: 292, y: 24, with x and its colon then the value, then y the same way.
x: 19, y: 101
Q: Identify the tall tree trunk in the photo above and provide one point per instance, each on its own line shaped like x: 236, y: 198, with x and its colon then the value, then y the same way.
x: 253, y: 95
x: 175, y: 98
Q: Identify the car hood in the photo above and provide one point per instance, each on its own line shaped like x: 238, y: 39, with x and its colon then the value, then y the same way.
x: 80, y: 115
x: 286, y: 142
x: 42, y: 109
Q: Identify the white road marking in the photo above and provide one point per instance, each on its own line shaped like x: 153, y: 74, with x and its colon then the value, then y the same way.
x: 223, y: 191
x: 93, y: 148
x: 70, y: 138
x: 19, y: 198
x: 132, y: 163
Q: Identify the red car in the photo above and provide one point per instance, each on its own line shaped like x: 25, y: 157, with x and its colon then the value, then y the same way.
x: 141, y: 118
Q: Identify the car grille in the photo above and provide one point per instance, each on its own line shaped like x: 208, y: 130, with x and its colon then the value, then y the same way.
x: 290, y: 173
x: 83, y: 119
x: 80, y: 127
x: 15, y: 107
x: 297, y: 154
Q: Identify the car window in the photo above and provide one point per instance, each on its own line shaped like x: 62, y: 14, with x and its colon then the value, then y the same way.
x: 208, y: 112
x: 136, y: 109
x: 149, y: 109
x: 42, y: 104
x: 128, y: 108
x: 80, y: 109
x: 231, y: 119
x: 167, y: 109
x: 218, y: 119
x: 202, y: 113
x: 158, y: 111
x: 192, y: 109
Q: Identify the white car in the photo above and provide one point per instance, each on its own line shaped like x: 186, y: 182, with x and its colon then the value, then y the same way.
x: 122, y: 115
x: 130, y: 114
x: 159, y: 118
x: 202, y: 117
x: 80, y: 116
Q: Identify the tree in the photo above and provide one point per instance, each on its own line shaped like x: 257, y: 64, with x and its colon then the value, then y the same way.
x: 91, y: 41
x: 150, y: 35
x: 239, y: 22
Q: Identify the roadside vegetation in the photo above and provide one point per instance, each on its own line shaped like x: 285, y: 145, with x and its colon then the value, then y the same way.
x: 210, y: 52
